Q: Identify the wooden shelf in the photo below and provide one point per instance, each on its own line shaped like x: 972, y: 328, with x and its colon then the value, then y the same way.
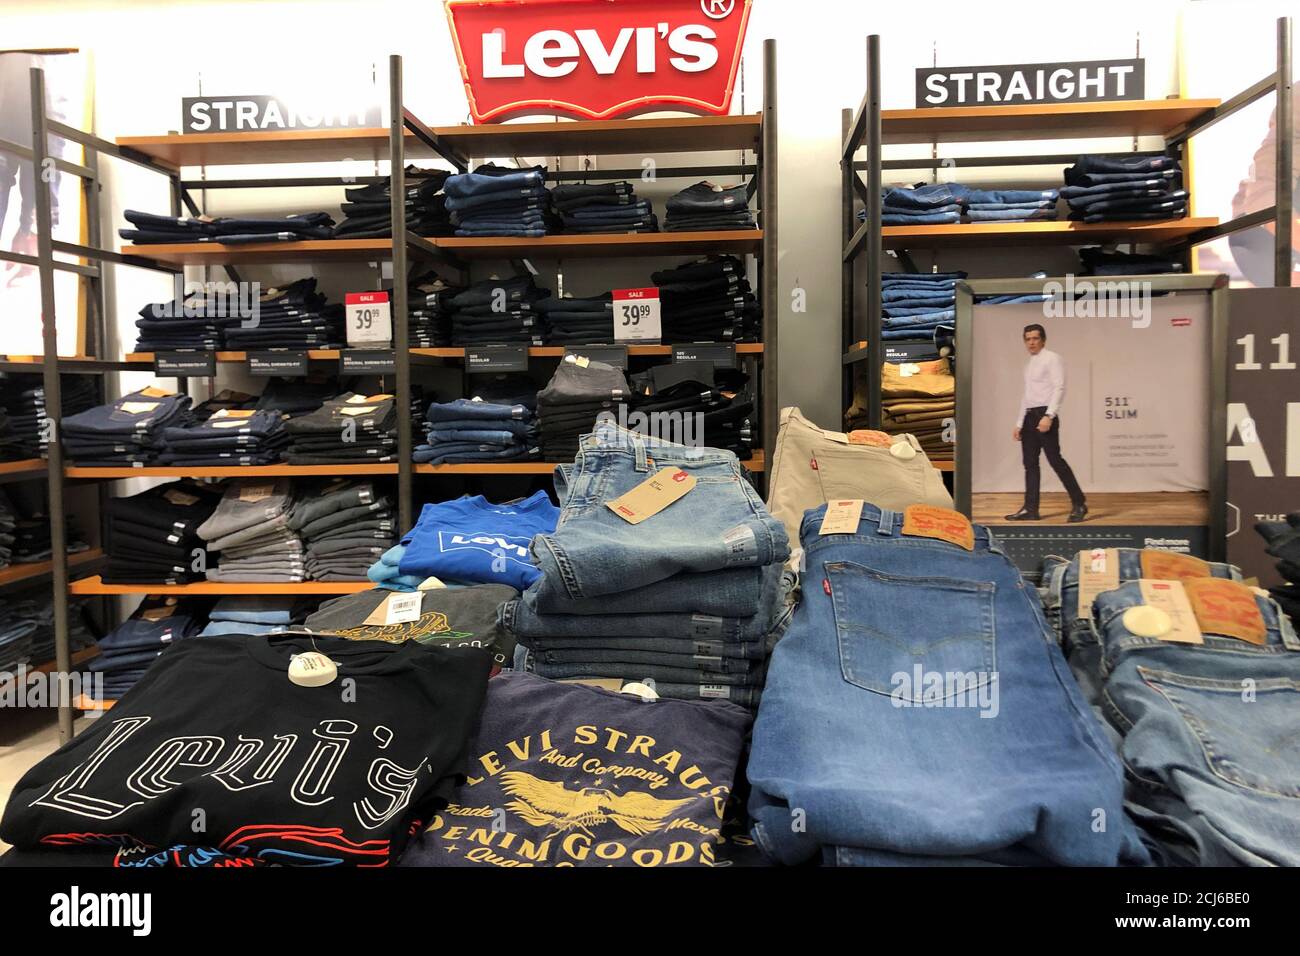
x: 18, y: 574
x: 96, y: 585
x: 1063, y: 232
x: 756, y: 464
x: 246, y: 471
x: 694, y: 134
x: 958, y: 124
x: 856, y: 353
x: 147, y: 358
x: 17, y: 470
x: 606, y: 245
x: 308, y: 250
x: 270, y: 146
x: 944, y: 465
x: 557, y: 351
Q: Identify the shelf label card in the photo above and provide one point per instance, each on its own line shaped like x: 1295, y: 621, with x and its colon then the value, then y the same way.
x: 369, y: 318
x: 637, y: 315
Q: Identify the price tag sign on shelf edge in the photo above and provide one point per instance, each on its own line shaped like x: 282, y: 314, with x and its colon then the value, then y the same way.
x: 636, y: 315
x: 369, y: 318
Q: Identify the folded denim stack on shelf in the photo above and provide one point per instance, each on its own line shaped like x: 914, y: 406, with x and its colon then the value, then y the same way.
x: 23, y: 397
x: 347, y: 429
x: 367, y: 213
x: 578, y: 393
x: 228, y: 230
x: 193, y: 322
x: 708, y: 300
x: 228, y: 438
x: 128, y: 651
x: 705, y: 207
x: 499, y: 312
x: 1283, y: 539
x: 295, y: 397
x: 129, y: 431
x: 915, y: 304
x: 695, y: 403
x: 37, y: 606
x: 17, y: 624
x: 32, y: 541
x: 345, y: 525
x: 574, y: 321
x: 1011, y: 205
x: 8, y: 521
x: 153, y: 536
x: 428, y: 316
x: 253, y: 614
x: 1125, y: 187
x: 691, y: 597
x: 10, y: 442
x: 293, y: 317
x: 469, y: 541
x: 602, y: 207
x: 472, y: 430
x: 920, y: 399
x: 250, y: 529
x: 930, y: 204
x: 499, y: 201
x: 1098, y: 261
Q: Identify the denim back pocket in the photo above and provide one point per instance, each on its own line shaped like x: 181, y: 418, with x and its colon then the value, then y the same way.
x: 1249, y: 734
x: 887, y: 625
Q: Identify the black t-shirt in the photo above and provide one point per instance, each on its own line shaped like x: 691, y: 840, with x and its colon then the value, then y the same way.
x: 216, y: 747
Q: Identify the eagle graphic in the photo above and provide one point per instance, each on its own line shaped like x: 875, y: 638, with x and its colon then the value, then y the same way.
x: 550, y: 803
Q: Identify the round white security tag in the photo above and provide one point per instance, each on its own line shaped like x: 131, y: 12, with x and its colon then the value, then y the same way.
x: 312, y: 669
x: 1147, y: 621
x: 902, y: 450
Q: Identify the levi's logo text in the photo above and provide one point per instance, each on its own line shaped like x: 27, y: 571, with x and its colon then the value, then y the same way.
x: 511, y: 547
x: 943, y: 524
x: 595, y: 59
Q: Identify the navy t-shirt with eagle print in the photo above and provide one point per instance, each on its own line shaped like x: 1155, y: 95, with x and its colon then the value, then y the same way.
x: 564, y: 774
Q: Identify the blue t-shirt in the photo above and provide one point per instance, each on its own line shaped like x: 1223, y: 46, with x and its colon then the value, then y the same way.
x: 471, y: 539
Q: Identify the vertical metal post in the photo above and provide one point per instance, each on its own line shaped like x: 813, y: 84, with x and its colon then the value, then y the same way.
x: 53, y: 395
x: 770, y: 407
x: 1285, y: 130
x: 1218, y: 471
x: 847, y: 173
x: 401, y: 335
x: 875, y: 350
x: 965, y: 307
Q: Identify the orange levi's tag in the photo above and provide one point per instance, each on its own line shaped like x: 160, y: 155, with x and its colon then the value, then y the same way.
x: 154, y: 392
x: 1227, y: 608
x: 863, y: 436
x: 1168, y: 566
x: 928, y: 521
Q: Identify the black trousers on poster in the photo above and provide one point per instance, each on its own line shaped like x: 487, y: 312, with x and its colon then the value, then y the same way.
x: 1032, y: 444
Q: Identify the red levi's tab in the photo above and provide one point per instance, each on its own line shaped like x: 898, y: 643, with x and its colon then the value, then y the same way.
x: 597, y: 59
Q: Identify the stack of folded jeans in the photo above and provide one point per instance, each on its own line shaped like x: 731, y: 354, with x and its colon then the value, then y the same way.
x: 194, y: 322
x: 253, y: 614
x: 691, y: 598
x: 602, y: 207
x: 32, y: 541
x: 228, y: 230
x: 153, y: 536
x: 80, y: 634
x: 293, y: 317
x: 708, y: 300
x: 229, y: 437
x: 498, y: 201
x: 1283, y: 539
x: 871, y: 727
x: 367, y: 214
x: 695, y: 403
x: 472, y: 430
x: 128, y: 431
x: 347, y: 429
x: 23, y: 397
x: 428, y: 316
x: 499, y: 312
x: 915, y: 304
x: 17, y: 624
x: 8, y: 522
x: 931, y: 204
x: 294, y: 397
x: 250, y: 529
x: 705, y: 207
x: 1128, y: 187
x: 345, y: 525
x: 573, y: 321
x: 11, y: 445
x: 126, y: 653
x: 569, y: 405
x: 1011, y: 205
x: 920, y: 399
x: 1097, y: 261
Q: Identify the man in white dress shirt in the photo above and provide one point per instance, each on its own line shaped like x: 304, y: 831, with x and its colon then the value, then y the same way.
x: 1038, y: 426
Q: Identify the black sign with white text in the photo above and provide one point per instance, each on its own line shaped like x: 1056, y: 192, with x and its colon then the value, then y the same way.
x: 367, y: 362
x: 1087, y: 81
x: 267, y: 363
x: 497, y: 358
x: 721, y: 354
x: 185, y: 364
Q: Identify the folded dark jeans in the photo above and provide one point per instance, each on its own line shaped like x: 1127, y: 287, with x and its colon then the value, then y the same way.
x: 704, y: 197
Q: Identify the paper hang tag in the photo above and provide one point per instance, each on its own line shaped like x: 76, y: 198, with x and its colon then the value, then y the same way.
x: 908, y: 369
x: 256, y: 491
x: 1098, y: 571
x: 581, y: 361
x: 652, y: 496
x: 430, y: 584
x: 178, y: 497
x: 158, y: 613
x: 229, y: 423
x: 138, y: 408
x: 1170, y: 597
x: 154, y: 391
x: 841, y: 517
x: 354, y: 410
x: 403, y: 608
x: 312, y: 669
x: 1227, y: 608
x: 943, y: 524
x: 236, y: 413
x: 641, y: 690
x: 1171, y: 566
x: 875, y: 439
x: 356, y: 400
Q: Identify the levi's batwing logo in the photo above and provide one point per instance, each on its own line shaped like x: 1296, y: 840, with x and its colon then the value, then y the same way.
x: 508, y: 546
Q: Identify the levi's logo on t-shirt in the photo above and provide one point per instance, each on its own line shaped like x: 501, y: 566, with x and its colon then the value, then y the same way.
x: 511, y: 547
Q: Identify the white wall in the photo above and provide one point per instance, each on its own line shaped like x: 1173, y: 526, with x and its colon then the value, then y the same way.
x: 148, y: 54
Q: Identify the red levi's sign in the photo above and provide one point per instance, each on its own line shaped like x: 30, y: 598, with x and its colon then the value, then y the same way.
x: 597, y: 59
